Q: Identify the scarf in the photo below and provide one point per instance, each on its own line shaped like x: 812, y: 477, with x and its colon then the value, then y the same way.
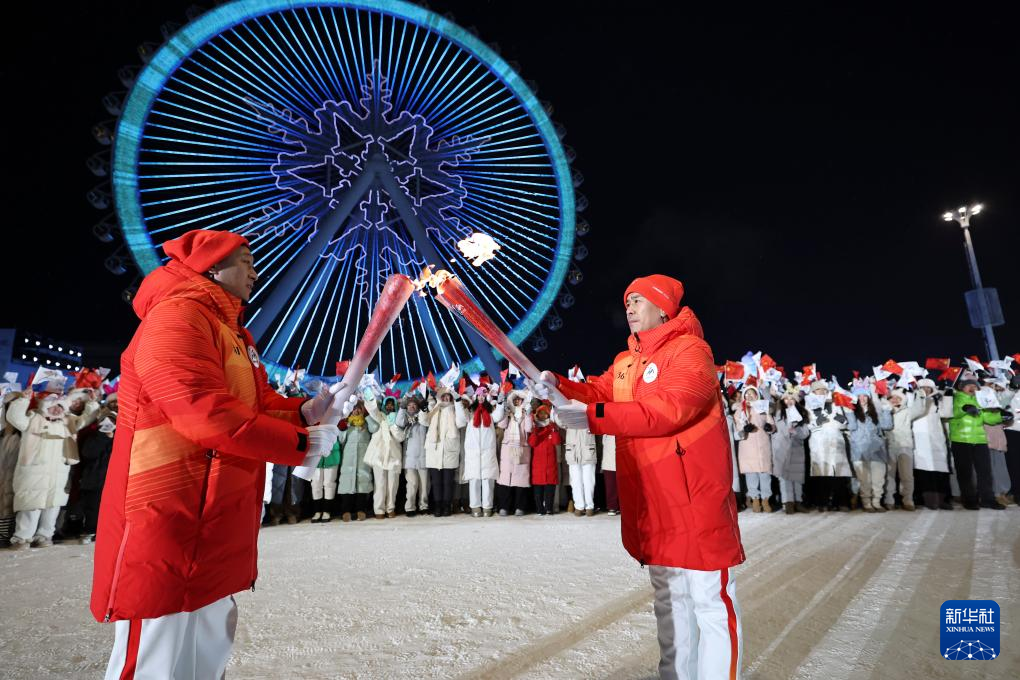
x: 482, y: 417
x: 356, y: 421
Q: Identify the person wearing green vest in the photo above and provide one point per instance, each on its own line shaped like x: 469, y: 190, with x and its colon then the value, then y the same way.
x: 970, y: 445
x: 324, y: 484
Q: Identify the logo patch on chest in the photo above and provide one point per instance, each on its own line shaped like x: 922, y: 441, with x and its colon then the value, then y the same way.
x: 651, y: 373
x: 253, y: 356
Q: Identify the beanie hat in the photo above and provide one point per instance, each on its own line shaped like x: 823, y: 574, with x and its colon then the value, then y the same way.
x: 662, y: 291
x: 819, y: 385
x: 967, y: 381
x: 859, y: 390
x: 926, y: 382
x: 200, y: 249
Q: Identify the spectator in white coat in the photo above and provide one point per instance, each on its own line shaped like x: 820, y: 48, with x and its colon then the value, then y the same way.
x: 754, y: 427
x: 514, y: 484
x: 412, y: 419
x: 581, y: 455
x: 829, y: 460
x: 788, y: 453
x: 1011, y: 421
x: 46, y: 452
x: 443, y: 449
x: 385, y: 455
x: 10, y: 443
x: 905, y: 410
x: 931, y: 450
x: 481, y: 464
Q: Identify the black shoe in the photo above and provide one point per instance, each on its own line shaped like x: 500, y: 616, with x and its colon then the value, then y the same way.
x: 410, y: 513
x: 993, y: 505
x: 971, y: 506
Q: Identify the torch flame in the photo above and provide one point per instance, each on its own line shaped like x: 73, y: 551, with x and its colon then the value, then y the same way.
x: 479, y: 248
x: 429, y: 278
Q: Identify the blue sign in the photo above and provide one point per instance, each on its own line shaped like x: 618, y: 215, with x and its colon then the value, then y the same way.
x: 969, y: 630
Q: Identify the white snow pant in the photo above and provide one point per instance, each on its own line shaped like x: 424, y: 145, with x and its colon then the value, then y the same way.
x: 790, y: 491
x: 384, y: 498
x: 905, y: 464
x: 699, y: 623
x: 582, y: 485
x: 871, y: 475
x: 185, y: 646
x: 324, y: 482
x: 417, y: 482
x: 759, y: 484
x: 32, y: 523
x: 480, y: 491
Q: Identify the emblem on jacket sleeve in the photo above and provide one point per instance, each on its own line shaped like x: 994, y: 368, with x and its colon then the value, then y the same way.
x: 254, y: 356
x: 651, y: 373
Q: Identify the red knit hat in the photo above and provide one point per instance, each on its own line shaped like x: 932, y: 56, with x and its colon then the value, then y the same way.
x: 201, y: 249
x: 662, y: 291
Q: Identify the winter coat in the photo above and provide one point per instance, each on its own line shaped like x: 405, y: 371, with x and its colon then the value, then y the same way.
x: 356, y: 474
x: 543, y: 442
x: 386, y: 450
x: 826, y: 442
x: 968, y: 429
x: 443, y: 438
x: 480, y: 458
x: 95, y: 459
x: 754, y: 449
x: 866, y: 440
x: 930, y: 449
x: 415, y: 429
x: 788, y: 450
x: 901, y: 437
x: 9, y: 446
x: 515, y: 453
x: 197, y: 423
x: 333, y: 459
x: 45, y: 455
x: 1011, y: 402
x: 579, y: 448
x: 996, y: 437
x: 674, y: 468
x: 608, y: 453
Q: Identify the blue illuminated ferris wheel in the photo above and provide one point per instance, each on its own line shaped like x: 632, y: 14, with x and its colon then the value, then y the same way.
x: 348, y: 140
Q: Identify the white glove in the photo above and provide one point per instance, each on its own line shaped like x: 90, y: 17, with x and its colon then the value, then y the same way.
x: 546, y: 381
x: 314, y: 409
x: 338, y: 405
x: 320, y: 443
x: 573, y: 415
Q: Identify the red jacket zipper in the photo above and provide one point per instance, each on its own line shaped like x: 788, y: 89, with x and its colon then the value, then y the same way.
x: 116, y: 572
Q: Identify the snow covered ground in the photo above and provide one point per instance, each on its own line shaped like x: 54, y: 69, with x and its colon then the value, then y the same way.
x: 823, y: 596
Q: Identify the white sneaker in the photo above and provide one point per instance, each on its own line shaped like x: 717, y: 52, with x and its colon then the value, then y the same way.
x: 86, y: 539
x: 41, y: 542
x: 503, y: 513
x: 519, y: 513
x: 18, y: 544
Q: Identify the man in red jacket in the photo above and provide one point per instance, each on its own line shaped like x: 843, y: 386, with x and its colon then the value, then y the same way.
x: 660, y: 398
x: 179, y: 518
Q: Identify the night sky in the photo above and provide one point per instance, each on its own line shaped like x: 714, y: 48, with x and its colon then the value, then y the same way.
x: 789, y: 168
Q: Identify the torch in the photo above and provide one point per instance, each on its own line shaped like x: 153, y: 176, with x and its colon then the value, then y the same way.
x: 454, y: 297
x: 392, y: 299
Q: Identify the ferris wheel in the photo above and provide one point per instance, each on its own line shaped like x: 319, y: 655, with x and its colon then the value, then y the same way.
x: 349, y: 140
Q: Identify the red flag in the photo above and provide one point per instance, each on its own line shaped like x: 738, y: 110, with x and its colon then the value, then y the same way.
x: 395, y: 378
x: 414, y: 385
x: 1016, y: 358
x: 484, y: 380
x: 734, y: 370
x: 857, y: 374
x: 809, y: 371
x: 503, y: 374
x: 936, y: 364
x: 951, y: 373
x: 462, y: 387
x: 342, y: 366
x: 782, y: 371
x: 882, y: 387
x: 892, y: 367
x: 840, y: 399
x: 430, y: 380
x: 751, y: 381
x: 87, y: 377
x: 507, y: 387
x: 766, y: 363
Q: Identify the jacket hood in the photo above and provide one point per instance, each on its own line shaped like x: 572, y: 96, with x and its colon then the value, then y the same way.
x: 176, y: 281
x: 684, y: 323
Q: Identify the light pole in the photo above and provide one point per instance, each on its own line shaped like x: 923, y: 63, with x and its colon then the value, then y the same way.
x: 962, y: 217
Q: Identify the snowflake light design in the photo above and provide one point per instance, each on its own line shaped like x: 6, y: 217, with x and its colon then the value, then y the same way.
x: 331, y: 150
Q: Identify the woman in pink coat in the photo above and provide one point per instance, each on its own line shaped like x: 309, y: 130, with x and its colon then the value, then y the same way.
x: 515, y: 457
x: 754, y: 450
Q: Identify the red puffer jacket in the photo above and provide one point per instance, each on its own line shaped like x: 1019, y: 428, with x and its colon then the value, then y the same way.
x: 179, y: 521
x: 661, y: 400
x: 543, y: 442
